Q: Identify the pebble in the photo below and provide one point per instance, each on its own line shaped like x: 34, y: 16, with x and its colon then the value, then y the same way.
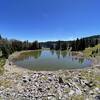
x: 46, y: 86
x: 71, y: 92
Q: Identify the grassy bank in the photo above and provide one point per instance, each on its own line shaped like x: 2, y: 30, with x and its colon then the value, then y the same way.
x: 92, y: 51
x: 2, y: 63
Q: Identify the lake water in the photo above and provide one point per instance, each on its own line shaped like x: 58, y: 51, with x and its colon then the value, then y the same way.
x: 47, y: 60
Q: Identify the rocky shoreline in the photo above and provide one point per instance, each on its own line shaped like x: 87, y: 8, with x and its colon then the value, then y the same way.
x: 21, y: 84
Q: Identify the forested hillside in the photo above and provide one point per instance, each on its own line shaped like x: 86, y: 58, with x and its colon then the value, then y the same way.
x: 9, y: 46
x: 75, y: 45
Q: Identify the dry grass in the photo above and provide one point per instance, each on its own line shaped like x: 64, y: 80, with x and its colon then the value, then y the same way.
x: 92, y: 51
x: 2, y: 63
x: 6, y: 83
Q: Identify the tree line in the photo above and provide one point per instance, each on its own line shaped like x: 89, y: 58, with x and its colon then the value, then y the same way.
x: 81, y: 44
x: 75, y: 45
x: 9, y: 46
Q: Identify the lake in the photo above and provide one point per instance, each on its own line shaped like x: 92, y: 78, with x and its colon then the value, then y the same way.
x: 51, y: 60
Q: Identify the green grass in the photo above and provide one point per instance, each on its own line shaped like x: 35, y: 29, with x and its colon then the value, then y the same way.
x: 2, y: 63
x: 92, y: 51
x: 35, y: 54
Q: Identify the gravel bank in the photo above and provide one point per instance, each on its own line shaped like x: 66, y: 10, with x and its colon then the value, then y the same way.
x: 21, y: 84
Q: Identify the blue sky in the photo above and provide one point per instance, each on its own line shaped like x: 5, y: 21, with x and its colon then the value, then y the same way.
x: 49, y: 19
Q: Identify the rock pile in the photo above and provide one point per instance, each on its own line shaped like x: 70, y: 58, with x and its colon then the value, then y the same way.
x: 61, y: 85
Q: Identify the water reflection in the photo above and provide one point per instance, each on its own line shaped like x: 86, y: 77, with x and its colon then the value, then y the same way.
x: 58, y: 53
x: 52, y: 52
x: 81, y: 60
x: 64, y: 53
x: 25, y: 55
x: 37, y: 54
x: 51, y: 60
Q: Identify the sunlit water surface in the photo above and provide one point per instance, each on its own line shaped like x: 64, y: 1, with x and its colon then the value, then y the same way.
x: 47, y: 60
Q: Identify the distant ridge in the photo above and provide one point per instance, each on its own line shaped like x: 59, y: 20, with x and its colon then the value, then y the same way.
x: 93, y: 37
